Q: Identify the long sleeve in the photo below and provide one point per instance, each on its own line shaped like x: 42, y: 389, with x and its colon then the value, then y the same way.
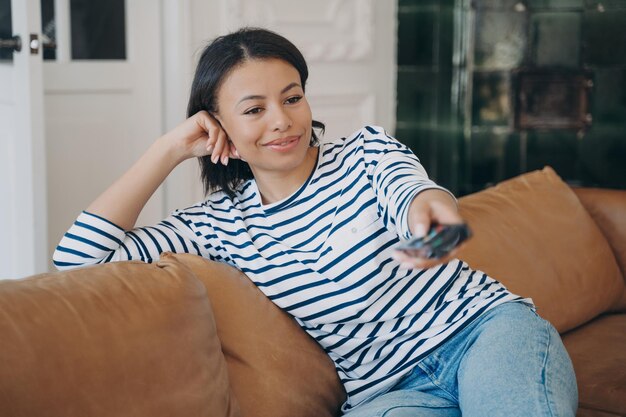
x: 396, y: 175
x: 93, y: 239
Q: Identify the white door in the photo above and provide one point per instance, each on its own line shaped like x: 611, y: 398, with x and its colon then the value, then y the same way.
x: 97, y: 97
x: 23, y: 229
x: 102, y: 96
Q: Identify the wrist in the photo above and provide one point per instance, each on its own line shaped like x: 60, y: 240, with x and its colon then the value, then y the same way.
x: 429, y: 206
x: 435, y: 194
x: 169, y: 150
x: 166, y: 152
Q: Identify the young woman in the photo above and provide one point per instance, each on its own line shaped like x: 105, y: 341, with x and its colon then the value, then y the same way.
x: 314, y: 226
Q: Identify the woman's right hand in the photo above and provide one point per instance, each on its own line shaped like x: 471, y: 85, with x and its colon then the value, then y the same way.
x: 201, y: 135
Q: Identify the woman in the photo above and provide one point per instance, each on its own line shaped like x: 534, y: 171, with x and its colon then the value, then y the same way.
x: 314, y: 226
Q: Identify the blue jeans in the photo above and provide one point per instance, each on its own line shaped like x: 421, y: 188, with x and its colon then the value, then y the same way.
x: 508, y: 362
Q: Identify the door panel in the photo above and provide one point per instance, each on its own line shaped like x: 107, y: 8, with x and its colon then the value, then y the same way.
x: 101, y: 114
x: 22, y: 158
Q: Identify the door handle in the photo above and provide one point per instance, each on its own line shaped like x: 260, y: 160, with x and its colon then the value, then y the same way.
x: 15, y: 43
x: 34, y: 44
x: 12, y: 44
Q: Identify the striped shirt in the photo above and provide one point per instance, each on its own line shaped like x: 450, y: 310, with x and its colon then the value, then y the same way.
x: 323, y: 255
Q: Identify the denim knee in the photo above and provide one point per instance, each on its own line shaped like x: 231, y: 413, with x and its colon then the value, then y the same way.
x: 517, y: 366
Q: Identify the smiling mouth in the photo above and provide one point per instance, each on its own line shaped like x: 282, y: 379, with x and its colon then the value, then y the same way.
x: 283, y: 143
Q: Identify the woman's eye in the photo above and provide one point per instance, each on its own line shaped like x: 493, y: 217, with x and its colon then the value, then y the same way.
x: 293, y: 100
x: 253, y: 110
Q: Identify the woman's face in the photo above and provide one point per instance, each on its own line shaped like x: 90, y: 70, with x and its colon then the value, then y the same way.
x: 262, y: 107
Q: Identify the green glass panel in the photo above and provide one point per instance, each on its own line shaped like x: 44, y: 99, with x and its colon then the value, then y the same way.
x: 557, y: 148
x: 437, y: 151
x: 423, y: 3
x: 604, y: 38
x: 417, y: 96
x: 491, y: 103
x: 556, y: 39
x: 48, y: 28
x: 6, y: 28
x: 501, y: 5
x: 98, y: 29
x: 512, y: 156
x: 605, y: 5
x: 446, y: 38
x: 487, y: 163
x: 448, y: 158
x: 444, y: 98
x: 416, y: 38
x: 609, y: 96
x: 555, y: 4
x: 422, y: 142
x: 604, y: 150
x: 402, y: 3
x: 500, y: 39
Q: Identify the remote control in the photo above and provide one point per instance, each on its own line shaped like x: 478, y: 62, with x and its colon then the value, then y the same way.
x: 440, y: 240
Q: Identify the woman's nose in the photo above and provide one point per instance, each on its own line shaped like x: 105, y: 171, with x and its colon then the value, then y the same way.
x: 282, y: 121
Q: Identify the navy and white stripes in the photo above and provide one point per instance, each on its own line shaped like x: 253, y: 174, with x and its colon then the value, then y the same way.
x: 324, y: 256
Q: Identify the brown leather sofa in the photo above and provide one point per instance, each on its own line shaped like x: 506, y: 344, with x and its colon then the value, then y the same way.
x: 189, y: 337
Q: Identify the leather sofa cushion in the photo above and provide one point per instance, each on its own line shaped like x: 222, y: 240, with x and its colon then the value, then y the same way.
x: 533, y: 234
x: 608, y: 209
x: 275, y: 368
x: 122, y: 339
x: 597, y: 351
x: 586, y: 412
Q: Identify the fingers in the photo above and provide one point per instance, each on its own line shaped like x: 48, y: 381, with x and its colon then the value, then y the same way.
x: 207, y: 125
x: 221, y: 148
x: 224, y: 150
x: 432, y: 206
x: 421, y: 221
x: 215, y: 141
x: 234, y: 154
x: 434, y: 212
x: 409, y: 262
x: 428, y: 208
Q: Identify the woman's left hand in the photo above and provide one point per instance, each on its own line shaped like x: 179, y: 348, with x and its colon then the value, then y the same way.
x: 428, y: 207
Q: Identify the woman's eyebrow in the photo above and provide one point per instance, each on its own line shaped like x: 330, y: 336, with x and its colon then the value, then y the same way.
x: 289, y: 87
x: 259, y: 97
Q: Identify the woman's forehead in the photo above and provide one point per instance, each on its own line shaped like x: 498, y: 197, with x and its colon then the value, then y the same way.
x: 259, y: 77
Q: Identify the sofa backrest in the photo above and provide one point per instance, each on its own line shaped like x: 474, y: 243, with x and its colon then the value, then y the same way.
x: 275, y: 369
x: 533, y: 234
x: 122, y: 339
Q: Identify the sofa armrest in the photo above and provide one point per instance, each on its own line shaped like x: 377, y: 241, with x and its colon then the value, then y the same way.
x: 608, y: 209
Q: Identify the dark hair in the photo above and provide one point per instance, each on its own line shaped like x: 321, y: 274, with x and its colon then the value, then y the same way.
x: 218, y: 59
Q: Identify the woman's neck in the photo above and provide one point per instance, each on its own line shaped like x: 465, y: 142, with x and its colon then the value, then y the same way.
x: 276, y: 186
